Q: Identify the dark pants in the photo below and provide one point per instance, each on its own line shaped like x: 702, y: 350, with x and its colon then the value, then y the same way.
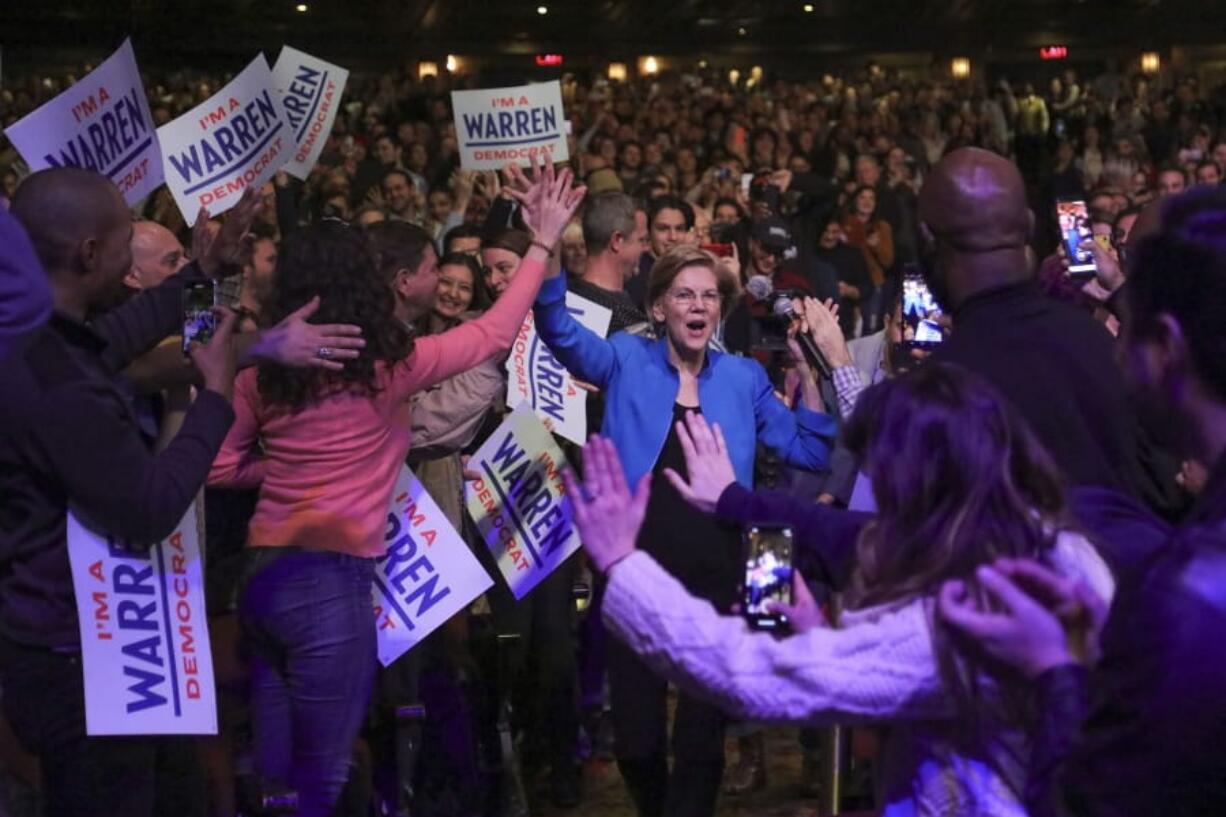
x: 44, y: 701
x: 545, y: 689
x: 309, y: 624
x: 640, y: 730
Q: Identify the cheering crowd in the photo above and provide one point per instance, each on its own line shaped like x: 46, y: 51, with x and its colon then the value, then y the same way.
x: 1020, y: 523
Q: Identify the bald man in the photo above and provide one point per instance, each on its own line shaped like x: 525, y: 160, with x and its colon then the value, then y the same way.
x: 68, y: 439
x: 1054, y: 362
x: 156, y: 255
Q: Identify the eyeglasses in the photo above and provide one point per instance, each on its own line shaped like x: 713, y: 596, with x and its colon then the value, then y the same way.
x: 687, y: 297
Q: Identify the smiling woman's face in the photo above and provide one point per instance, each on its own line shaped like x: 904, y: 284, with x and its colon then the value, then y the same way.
x: 689, y: 309
x: 455, y: 291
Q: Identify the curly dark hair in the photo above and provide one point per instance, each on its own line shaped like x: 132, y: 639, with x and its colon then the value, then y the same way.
x: 333, y: 261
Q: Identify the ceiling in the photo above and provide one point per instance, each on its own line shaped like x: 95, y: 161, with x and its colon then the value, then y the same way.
x: 207, y: 32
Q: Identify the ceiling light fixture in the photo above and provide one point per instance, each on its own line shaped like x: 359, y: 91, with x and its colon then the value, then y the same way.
x: 301, y: 7
x: 542, y: 10
x: 808, y: 8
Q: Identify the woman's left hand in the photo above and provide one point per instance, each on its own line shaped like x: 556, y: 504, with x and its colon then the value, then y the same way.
x: 803, y: 614
x: 607, y: 515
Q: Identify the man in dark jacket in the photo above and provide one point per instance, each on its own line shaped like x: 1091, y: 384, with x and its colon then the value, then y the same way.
x: 1140, y: 730
x: 68, y: 439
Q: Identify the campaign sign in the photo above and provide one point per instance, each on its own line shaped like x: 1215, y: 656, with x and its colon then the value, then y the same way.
x: 497, y: 126
x: 428, y: 574
x: 236, y: 139
x: 144, y: 637
x: 534, y: 375
x: 101, y: 123
x: 310, y: 91
x: 519, y: 503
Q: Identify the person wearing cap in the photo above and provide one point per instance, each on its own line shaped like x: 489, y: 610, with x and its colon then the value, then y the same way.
x: 769, y: 270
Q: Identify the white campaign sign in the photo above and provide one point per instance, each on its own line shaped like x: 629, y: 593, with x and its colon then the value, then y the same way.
x: 236, y: 139
x: 535, y: 376
x: 428, y: 574
x: 144, y: 637
x: 310, y: 91
x: 101, y: 123
x: 495, y: 126
x: 519, y: 504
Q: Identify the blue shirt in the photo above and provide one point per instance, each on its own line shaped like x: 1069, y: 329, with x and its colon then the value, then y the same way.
x: 640, y: 386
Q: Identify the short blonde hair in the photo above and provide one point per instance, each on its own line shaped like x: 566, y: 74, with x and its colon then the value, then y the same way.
x: 669, y: 266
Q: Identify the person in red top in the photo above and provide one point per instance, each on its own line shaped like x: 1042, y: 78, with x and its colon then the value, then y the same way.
x: 329, y: 448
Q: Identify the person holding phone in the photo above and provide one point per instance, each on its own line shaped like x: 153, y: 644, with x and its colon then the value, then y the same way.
x: 959, y: 481
x: 649, y: 384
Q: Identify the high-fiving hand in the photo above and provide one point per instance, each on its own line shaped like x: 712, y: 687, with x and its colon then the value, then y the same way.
x: 607, y: 514
x: 548, y: 200
x: 706, y: 462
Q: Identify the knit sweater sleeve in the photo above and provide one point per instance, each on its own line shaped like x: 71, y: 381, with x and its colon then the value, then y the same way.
x: 879, y: 668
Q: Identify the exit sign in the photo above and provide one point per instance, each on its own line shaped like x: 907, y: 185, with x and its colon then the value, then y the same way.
x: 548, y: 60
x: 1053, y: 52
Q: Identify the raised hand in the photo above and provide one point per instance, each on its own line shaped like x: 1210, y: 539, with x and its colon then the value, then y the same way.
x: 548, y: 200
x: 824, y: 328
x: 706, y: 462
x: 224, y: 254
x: 607, y: 514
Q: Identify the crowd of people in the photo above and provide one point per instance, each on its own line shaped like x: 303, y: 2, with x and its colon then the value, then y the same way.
x: 1018, y: 520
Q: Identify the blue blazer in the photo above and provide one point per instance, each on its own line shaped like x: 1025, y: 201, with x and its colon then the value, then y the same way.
x: 640, y: 386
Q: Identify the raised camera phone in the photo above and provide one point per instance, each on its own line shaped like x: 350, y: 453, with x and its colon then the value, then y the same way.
x: 921, y: 328
x: 768, y: 575
x: 1074, y: 219
x: 199, y: 321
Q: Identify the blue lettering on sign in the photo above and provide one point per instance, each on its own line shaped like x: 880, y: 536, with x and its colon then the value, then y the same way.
x: 545, y: 368
x: 522, y: 486
x: 110, y: 143
x: 506, y: 128
x: 302, y: 98
x: 402, y: 563
x: 149, y: 665
x: 228, y: 145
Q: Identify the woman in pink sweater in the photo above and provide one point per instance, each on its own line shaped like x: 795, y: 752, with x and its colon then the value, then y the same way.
x: 324, y: 449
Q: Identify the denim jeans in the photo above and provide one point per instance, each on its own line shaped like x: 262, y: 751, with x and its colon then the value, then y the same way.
x: 44, y: 701
x: 309, y: 625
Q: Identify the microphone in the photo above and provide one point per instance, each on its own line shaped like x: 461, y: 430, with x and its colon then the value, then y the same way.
x: 783, y: 308
x: 760, y: 287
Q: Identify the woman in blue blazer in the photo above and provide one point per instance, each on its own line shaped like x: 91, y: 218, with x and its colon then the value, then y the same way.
x: 649, y: 385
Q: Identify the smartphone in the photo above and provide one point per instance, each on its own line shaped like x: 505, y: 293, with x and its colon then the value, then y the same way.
x: 921, y: 327
x: 718, y: 250
x: 1074, y: 219
x: 199, y: 322
x: 746, y: 181
x: 768, y: 575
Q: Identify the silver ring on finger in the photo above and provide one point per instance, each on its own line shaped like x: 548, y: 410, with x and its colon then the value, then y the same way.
x: 324, y: 353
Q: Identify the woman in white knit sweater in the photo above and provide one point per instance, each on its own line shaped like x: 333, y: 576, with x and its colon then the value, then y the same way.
x: 959, y: 481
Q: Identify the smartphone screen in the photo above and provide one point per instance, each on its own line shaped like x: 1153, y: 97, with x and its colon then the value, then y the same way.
x: 1074, y: 219
x: 921, y: 328
x: 199, y: 322
x: 768, y: 574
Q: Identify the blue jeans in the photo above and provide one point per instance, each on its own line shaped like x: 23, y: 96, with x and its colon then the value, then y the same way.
x: 309, y: 624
